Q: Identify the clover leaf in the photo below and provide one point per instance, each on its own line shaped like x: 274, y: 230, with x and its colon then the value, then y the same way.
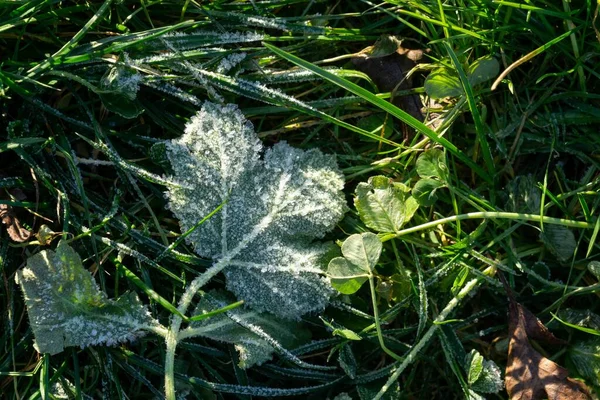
x: 384, y: 205
x: 361, y: 253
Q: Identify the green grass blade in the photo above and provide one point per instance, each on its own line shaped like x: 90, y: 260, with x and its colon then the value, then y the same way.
x: 133, y: 278
x: 384, y: 105
x: 593, y: 238
x: 479, y: 127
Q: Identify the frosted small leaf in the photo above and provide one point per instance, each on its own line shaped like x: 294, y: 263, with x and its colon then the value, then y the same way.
x: 252, y: 349
x: 585, y: 355
x: 483, y: 375
x: 560, y: 241
x: 119, y: 87
x: 594, y: 268
x: 523, y: 195
x: 273, y: 208
x: 362, y: 250
x: 66, y: 307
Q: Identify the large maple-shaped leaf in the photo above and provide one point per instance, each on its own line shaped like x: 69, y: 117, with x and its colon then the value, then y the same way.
x: 274, y: 207
x: 233, y: 327
x: 66, y: 307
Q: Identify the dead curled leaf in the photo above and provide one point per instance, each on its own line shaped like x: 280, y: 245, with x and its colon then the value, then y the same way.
x: 15, y: 231
x: 387, y: 63
x: 529, y: 375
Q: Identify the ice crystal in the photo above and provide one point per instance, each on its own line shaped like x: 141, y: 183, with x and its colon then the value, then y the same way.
x: 274, y: 207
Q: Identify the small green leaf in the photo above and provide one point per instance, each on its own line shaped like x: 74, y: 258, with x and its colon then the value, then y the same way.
x: 585, y: 355
x: 346, y: 277
x: 66, y: 307
x: 560, y: 241
x: 594, y: 268
x: 483, y: 70
x: 443, y: 82
x: 432, y: 164
x: 346, y: 334
x: 475, y: 366
x: 119, y: 87
x: 483, y: 375
x: 361, y: 253
x: 385, y: 46
x: 401, y: 286
x: 384, y: 205
x: 378, y: 124
x: 362, y: 250
x: 424, y: 191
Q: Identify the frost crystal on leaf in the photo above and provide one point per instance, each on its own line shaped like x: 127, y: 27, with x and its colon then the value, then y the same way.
x: 66, y: 307
x: 252, y: 349
x: 274, y: 207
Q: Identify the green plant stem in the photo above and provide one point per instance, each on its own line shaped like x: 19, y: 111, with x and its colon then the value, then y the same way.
x: 377, y: 322
x: 173, y: 335
x: 410, y: 357
x: 492, y: 215
x: 171, y: 341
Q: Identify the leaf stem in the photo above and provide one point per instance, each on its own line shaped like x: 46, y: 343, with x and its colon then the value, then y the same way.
x: 171, y: 340
x: 377, y: 322
x: 492, y: 215
x: 173, y: 334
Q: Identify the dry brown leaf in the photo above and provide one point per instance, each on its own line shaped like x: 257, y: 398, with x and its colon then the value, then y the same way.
x: 529, y: 375
x: 13, y: 227
x: 387, y: 63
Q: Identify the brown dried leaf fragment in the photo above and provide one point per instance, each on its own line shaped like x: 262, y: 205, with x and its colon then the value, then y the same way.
x: 387, y: 63
x: 13, y: 227
x: 529, y: 375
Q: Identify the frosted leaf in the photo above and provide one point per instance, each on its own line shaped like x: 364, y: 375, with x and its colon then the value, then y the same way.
x: 252, y: 349
x: 66, y: 307
x: 585, y: 355
x: 483, y: 375
x: 274, y: 207
x: 523, y: 195
x: 560, y: 241
x: 119, y: 87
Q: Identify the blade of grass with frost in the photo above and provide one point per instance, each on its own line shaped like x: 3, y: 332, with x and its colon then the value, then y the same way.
x: 255, y: 90
x: 385, y: 106
x: 273, y: 208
